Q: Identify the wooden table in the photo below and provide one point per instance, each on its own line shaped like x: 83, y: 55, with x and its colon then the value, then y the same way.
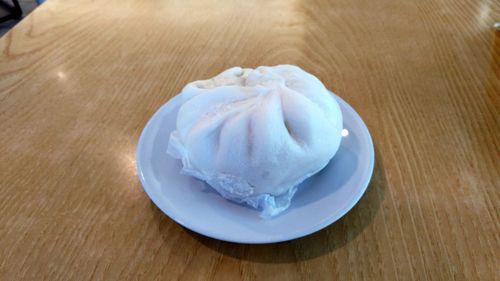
x: 80, y: 79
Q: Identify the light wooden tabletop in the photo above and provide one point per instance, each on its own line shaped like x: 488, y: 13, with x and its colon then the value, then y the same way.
x: 80, y: 79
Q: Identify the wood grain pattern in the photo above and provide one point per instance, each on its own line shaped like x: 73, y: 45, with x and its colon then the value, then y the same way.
x: 79, y: 80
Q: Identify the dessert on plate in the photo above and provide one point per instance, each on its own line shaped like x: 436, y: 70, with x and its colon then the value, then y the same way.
x: 255, y: 134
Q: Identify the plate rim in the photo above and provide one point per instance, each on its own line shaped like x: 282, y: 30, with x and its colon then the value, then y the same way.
x: 328, y: 220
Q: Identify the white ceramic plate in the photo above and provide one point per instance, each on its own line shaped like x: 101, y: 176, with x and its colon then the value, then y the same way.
x: 320, y: 200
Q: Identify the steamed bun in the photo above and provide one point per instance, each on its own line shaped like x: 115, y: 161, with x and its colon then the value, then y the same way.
x: 255, y: 134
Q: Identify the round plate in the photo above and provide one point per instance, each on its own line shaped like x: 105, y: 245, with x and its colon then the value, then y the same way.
x: 320, y: 200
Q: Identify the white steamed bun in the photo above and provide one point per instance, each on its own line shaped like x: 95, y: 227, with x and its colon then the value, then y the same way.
x: 255, y: 134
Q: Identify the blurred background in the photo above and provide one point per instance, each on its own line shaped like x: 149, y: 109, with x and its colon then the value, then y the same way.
x: 12, y: 11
